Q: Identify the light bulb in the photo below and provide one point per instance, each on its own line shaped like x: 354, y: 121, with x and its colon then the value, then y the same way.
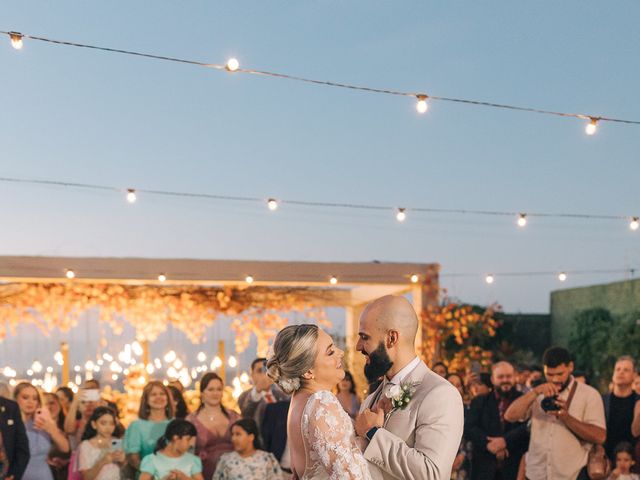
x: 522, y: 220
x: 36, y: 367
x: 216, y: 363
x: 202, y: 357
x: 422, y: 106
x: 414, y: 278
x: 162, y: 277
x: 401, y: 214
x: 70, y: 274
x: 232, y: 65
x: 592, y: 126
x: 114, y: 377
x: 233, y: 362
x: 562, y: 276
x: 16, y: 40
x: 131, y: 195
x: 489, y: 279
x: 170, y: 356
x: 333, y: 280
x: 634, y: 223
x: 272, y: 203
x: 137, y: 348
x: 249, y: 279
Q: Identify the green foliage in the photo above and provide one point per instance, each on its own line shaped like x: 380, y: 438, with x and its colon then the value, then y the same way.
x: 598, y: 338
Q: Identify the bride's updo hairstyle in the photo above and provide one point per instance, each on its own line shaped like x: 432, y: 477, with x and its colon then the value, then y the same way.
x: 294, y: 354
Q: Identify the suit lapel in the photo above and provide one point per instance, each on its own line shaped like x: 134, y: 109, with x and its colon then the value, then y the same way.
x: 373, y: 398
x: 416, y: 376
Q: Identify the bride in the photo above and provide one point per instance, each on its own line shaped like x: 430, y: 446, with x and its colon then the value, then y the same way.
x: 306, y: 364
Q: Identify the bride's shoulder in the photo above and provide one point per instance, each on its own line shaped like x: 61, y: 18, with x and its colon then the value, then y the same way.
x: 323, y: 400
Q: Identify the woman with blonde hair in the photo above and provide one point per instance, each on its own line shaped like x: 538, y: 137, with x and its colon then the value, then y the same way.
x: 306, y: 364
x: 42, y: 432
x: 154, y: 414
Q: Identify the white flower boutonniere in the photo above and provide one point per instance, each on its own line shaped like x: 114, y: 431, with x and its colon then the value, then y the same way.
x: 400, y: 395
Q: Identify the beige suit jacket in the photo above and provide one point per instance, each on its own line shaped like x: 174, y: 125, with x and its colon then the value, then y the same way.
x: 421, y: 441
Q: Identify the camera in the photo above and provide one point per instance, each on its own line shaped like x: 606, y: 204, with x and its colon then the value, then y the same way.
x: 549, y: 404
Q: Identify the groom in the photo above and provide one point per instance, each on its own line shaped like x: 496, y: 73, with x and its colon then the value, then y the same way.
x: 421, y: 439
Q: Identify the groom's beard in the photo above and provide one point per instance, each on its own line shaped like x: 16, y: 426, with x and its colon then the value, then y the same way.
x: 379, y: 363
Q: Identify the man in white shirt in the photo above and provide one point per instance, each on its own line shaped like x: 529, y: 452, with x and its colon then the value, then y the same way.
x: 567, y: 418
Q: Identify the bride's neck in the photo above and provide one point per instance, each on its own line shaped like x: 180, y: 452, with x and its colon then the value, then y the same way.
x: 313, y: 387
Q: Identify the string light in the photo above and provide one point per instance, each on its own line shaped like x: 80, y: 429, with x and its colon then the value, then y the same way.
x: 333, y: 280
x: 522, y: 220
x: 400, y: 212
x: 16, y: 40
x: 249, y: 279
x: 489, y: 279
x: 272, y: 203
x: 414, y: 278
x: 422, y: 106
x: 162, y: 277
x: 131, y: 195
x: 70, y: 274
x: 233, y: 362
x: 592, y: 126
x: 634, y: 223
x: 202, y: 357
x: 562, y: 276
x: 232, y: 65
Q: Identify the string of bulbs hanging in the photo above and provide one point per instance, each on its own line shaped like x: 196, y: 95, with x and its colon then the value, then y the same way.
x: 233, y: 65
x: 273, y: 204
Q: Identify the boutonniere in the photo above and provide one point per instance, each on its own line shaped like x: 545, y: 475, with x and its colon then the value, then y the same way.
x: 401, y: 395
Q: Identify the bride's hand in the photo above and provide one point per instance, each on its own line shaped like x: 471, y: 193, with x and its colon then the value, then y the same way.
x: 369, y: 419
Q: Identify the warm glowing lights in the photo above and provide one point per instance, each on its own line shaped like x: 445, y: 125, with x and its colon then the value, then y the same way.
x: 137, y: 348
x: 16, y: 40
x: 634, y: 223
x: 244, y: 377
x: 216, y: 363
x: 150, y: 368
x: 162, y: 277
x: 421, y: 105
x: 248, y: 279
x: 333, y: 280
x: 170, y: 356
x: 415, y: 278
x: 70, y: 274
x: 233, y: 361
x: 131, y: 195
x: 232, y: 65
x: 562, y: 276
x: 489, y: 279
x: 58, y: 357
x: 522, y: 220
x: 202, y: 357
x: 592, y: 126
x: 272, y: 203
x: 401, y: 214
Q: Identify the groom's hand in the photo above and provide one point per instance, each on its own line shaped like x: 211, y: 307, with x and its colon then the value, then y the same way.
x: 367, y: 420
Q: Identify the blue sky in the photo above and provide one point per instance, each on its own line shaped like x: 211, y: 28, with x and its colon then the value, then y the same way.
x: 86, y: 116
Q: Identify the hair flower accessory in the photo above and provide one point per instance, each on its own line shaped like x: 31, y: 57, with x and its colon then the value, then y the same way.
x: 289, y: 384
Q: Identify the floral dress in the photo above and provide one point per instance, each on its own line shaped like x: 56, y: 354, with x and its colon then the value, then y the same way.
x: 259, y: 466
x: 330, y: 441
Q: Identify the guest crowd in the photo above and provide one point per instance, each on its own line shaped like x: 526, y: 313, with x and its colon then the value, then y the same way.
x: 521, y: 422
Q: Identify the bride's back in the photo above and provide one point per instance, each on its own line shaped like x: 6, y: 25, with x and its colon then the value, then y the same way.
x: 294, y: 432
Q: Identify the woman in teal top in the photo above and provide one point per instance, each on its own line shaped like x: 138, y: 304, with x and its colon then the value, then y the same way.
x: 156, y: 411
x: 171, y: 459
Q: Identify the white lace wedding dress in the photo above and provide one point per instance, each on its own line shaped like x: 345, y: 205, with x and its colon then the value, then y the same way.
x: 330, y: 441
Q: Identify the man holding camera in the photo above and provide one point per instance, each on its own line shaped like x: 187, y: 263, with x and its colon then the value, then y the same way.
x: 567, y: 417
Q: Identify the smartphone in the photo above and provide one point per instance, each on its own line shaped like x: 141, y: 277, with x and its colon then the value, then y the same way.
x: 91, y: 395
x: 476, y: 367
x: 116, y: 444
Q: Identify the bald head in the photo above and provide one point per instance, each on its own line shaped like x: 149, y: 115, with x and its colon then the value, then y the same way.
x: 393, y: 312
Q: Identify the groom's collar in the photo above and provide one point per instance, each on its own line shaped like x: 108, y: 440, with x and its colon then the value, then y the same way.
x: 402, y: 374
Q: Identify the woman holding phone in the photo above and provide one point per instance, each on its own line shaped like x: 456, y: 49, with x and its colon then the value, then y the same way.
x: 100, y: 454
x: 42, y: 432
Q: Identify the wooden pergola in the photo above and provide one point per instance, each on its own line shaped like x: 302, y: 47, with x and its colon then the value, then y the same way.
x: 354, y: 285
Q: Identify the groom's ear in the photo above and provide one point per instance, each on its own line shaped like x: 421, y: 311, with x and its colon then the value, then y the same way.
x: 392, y: 338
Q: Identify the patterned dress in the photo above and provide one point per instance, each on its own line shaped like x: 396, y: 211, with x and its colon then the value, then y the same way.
x: 259, y: 466
x: 330, y: 441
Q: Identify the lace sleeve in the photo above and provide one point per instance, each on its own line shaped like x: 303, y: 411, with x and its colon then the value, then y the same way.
x: 331, y: 439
